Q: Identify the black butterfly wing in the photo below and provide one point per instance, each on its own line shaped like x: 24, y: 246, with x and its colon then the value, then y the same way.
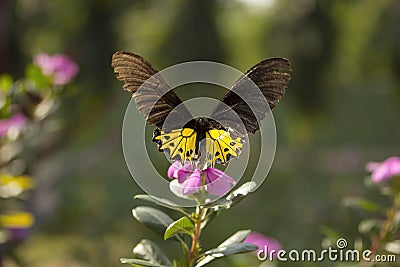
x: 271, y: 76
x: 151, y: 93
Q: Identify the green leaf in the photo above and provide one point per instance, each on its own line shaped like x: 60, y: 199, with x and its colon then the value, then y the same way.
x: 183, y: 225
x: 219, y: 204
x: 236, y: 238
x: 240, y: 193
x: 6, y: 81
x: 153, y: 218
x: 231, y: 250
x: 35, y: 74
x: 393, y: 247
x: 176, y: 188
x: 330, y: 233
x: 233, y: 198
x: 396, y: 220
x: 161, y: 202
x: 367, y: 225
x: 244, y: 189
x: 5, y: 102
x: 361, y: 203
x: 140, y: 263
x: 180, y: 263
x: 331, y: 236
x: 149, y: 251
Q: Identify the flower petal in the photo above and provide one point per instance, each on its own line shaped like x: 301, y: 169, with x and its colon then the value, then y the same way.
x: 262, y: 241
x: 371, y: 166
x: 182, y: 175
x: 218, y: 183
x: 61, y: 67
x: 384, y: 170
x: 17, y: 219
x: 173, y: 169
x: 193, y: 183
x: 219, y: 187
x: 17, y: 121
x: 213, y: 174
x: 188, y: 167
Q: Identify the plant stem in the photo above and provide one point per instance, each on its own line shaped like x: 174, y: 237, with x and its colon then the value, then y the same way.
x: 387, y: 226
x: 198, y: 219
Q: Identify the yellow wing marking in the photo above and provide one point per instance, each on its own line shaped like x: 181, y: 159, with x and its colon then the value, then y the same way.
x: 179, y: 143
x: 220, y: 147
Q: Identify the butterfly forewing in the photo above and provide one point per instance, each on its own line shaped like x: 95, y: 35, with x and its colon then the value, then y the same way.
x: 152, y: 95
x: 271, y: 76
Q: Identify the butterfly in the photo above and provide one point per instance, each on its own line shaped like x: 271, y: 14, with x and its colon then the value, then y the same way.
x: 216, y: 139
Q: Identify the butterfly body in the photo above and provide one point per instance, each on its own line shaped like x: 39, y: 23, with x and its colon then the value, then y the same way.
x: 201, y: 125
x: 204, y: 141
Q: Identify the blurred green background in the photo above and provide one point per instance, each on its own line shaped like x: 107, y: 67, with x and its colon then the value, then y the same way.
x: 341, y: 111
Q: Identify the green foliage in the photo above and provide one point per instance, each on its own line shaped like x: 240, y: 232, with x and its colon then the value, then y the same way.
x: 358, y: 202
x: 230, y: 250
x: 155, y: 219
x: 233, y: 198
x: 147, y: 253
x: 35, y: 75
x: 141, y: 263
x: 183, y: 225
x: 25, y: 106
x: 6, y: 81
x: 379, y: 231
x: 235, y: 239
x: 191, y: 225
x: 161, y: 202
x: 367, y: 225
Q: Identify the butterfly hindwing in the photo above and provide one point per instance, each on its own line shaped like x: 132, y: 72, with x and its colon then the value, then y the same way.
x: 179, y: 143
x: 220, y: 147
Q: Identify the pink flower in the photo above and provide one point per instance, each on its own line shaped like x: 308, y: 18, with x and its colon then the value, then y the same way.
x: 384, y: 170
x: 216, y: 181
x: 193, y: 183
x: 17, y: 121
x: 18, y: 234
x: 176, y: 170
x: 264, y: 243
x: 61, y: 67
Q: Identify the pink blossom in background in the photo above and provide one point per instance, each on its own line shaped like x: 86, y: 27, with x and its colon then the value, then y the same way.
x: 61, y: 67
x: 218, y: 183
x: 261, y: 241
x: 384, y: 170
x: 18, y: 120
x: 18, y: 234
